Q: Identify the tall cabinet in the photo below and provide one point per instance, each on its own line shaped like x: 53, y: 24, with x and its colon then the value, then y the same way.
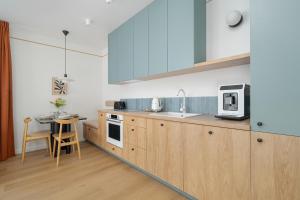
x: 275, y: 97
x: 275, y: 67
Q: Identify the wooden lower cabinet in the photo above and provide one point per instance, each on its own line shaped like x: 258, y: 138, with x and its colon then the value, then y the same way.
x: 165, y: 151
x: 136, y: 156
x: 114, y: 149
x: 91, y: 134
x: 275, y: 167
x: 102, y: 129
x: 136, y: 136
x: 216, y: 163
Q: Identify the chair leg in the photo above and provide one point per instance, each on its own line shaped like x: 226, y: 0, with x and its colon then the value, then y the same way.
x: 54, y: 148
x: 78, y: 147
x: 49, y: 146
x: 73, y: 139
x: 58, y: 152
x: 23, y: 150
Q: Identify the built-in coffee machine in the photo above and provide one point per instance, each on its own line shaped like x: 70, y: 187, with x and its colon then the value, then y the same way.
x: 234, y: 102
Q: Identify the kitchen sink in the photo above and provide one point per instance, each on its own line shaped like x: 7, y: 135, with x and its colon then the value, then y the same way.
x: 175, y: 114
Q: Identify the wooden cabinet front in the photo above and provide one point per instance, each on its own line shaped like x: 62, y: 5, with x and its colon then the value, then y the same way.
x: 102, y: 129
x: 275, y: 167
x: 165, y: 151
x: 91, y: 134
x: 216, y: 163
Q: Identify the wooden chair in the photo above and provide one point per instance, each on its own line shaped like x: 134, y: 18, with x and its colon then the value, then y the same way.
x: 67, y: 138
x: 41, y: 135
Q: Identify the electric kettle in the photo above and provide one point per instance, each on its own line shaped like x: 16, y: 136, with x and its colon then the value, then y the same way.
x: 156, y: 105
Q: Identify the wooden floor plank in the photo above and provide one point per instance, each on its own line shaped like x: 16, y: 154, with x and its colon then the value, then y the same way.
x: 97, y: 176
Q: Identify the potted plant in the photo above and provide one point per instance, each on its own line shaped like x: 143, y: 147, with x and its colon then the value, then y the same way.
x: 58, y: 103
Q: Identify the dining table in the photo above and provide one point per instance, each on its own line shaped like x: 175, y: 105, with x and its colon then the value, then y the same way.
x: 54, y: 127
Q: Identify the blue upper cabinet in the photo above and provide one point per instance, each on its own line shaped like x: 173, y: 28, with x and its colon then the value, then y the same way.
x: 275, y: 67
x: 158, y: 37
x: 186, y: 33
x: 125, y: 51
x: 113, y: 57
x: 166, y: 36
x: 141, y: 44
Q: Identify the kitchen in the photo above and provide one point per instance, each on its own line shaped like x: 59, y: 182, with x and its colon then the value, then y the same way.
x: 170, y: 104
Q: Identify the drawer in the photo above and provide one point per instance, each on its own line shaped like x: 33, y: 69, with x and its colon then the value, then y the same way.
x: 114, y: 149
x: 136, y: 136
x: 91, y: 130
x: 136, y: 156
x: 135, y: 121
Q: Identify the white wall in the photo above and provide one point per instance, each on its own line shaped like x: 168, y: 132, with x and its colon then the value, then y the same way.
x: 221, y: 41
x: 33, y: 68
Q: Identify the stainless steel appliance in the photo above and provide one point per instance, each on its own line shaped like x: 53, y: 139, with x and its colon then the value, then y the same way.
x: 234, y: 102
x: 114, y: 132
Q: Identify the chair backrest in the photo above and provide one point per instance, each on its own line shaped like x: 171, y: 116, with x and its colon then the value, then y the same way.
x: 27, y: 120
x: 72, y: 121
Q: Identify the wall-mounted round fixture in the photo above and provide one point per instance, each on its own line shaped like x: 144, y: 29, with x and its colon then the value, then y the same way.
x: 234, y: 18
x: 88, y: 21
x: 108, y: 1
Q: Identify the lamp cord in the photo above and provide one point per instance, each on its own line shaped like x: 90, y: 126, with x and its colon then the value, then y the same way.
x: 65, y: 55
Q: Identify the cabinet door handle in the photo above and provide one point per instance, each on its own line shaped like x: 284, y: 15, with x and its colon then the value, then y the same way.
x: 260, y: 124
x: 132, y: 120
x: 132, y: 149
x: 161, y: 125
x: 113, y: 148
x: 132, y: 130
x: 210, y: 132
x: 260, y: 140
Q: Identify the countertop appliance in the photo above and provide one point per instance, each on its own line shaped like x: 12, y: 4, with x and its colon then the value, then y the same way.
x: 119, y: 105
x: 234, y: 102
x: 114, y: 129
x: 156, y: 105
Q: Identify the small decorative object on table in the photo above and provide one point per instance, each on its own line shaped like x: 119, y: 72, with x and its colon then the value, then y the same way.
x: 58, y: 103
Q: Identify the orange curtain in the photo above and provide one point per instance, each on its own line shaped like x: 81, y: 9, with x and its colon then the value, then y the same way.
x: 7, y: 148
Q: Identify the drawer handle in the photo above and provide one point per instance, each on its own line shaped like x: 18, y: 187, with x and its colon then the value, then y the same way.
x: 161, y: 125
x: 132, y: 130
x: 132, y: 120
x: 260, y: 140
x: 113, y: 148
x: 210, y: 132
x: 260, y: 124
x: 132, y: 149
x: 101, y: 115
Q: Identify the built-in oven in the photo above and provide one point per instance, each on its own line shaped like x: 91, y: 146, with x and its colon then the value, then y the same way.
x: 114, y: 132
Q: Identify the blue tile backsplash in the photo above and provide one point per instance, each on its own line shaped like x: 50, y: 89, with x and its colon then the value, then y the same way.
x: 203, y: 105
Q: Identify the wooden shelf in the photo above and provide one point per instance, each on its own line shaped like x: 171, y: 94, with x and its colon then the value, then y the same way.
x: 237, y: 60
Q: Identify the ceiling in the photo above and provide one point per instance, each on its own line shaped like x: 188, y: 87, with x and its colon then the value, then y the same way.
x: 50, y: 17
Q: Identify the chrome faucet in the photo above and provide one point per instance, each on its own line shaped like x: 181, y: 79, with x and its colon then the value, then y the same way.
x: 182, y: 106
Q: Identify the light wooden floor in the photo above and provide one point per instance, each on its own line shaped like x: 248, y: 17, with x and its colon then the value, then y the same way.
x: 97, y: 176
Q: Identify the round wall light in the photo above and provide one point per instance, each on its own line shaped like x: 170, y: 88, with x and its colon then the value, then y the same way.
x: 234, y: 18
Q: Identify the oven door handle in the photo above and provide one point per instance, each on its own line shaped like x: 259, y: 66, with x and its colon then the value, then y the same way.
x: 115, y: 121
